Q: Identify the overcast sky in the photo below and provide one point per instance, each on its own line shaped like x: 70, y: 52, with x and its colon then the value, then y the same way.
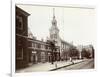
x: 75, y: 24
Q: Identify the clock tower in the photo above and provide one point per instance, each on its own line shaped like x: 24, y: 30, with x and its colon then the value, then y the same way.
x: 54, y: 31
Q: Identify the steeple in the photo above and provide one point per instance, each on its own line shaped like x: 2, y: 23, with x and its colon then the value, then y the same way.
x: 54, y: 31
x: 53, y: 13
x: 54, y: 22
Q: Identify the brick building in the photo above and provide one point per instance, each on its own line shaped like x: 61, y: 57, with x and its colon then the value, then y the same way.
x: 40, y: 51
x: 54, y: 35
x: 21, y: 18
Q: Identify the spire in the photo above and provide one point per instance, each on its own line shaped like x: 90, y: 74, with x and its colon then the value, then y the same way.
x: 53, y: 12
x: 54, y: 22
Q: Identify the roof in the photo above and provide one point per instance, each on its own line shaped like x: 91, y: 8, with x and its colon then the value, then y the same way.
x: 22, y: 11
x: 66, y: 42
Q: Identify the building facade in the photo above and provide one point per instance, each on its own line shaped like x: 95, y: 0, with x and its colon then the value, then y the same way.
x: 65, y: 49
x: 54, y: 35
x: 21, y: 26
x: 30, y: 50
x: 40, y: 51
x: 54, y: 31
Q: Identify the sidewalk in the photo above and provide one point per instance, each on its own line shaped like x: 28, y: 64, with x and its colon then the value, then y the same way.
x: 40, y: 67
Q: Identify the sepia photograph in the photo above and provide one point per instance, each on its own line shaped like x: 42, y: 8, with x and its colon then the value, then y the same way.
x: 54, y: 38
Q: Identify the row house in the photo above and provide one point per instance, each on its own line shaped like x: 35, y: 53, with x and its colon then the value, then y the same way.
x: 40, y: 51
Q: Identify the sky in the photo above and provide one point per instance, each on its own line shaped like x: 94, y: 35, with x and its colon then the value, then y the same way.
x: 76, y: 25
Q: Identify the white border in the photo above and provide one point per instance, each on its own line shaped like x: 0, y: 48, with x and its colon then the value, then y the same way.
x: 13, y: 38
x: 48, y: 74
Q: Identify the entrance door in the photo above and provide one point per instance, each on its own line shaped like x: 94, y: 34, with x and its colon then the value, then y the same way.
x: 33, y: 58
x: 49, y: 59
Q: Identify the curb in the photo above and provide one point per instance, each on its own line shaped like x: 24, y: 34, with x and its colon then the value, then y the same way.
x: 64, y: 66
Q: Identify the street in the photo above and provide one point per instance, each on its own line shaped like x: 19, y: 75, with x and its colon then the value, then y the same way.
x: 47, y: 66
x: 88, y: 64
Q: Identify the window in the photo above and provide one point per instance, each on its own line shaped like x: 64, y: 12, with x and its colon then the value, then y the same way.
x: 46, y: 47
x: 19, y: 40
x: 33, y: 45
x: 42, y: 56
x: 19, y: 53
x: 19, y: 22
x: 51, y: 36
x: 29, y: 43
x: 38, y: 46
x: 42, y: 46
x: 55, y: 36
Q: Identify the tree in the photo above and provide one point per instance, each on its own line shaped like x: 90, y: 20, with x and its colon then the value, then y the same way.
x: 65, y: 54
x: 73, y: 52
x: 53, y: 47
x: 85, y: 53
x: 92, y: 52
